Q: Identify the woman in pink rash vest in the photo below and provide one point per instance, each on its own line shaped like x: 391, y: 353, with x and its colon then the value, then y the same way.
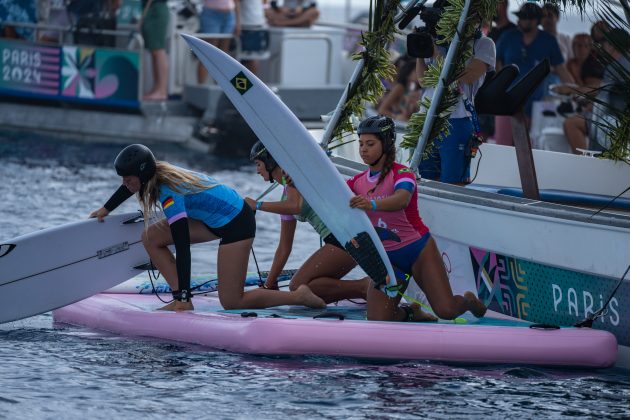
x: 388, y: 193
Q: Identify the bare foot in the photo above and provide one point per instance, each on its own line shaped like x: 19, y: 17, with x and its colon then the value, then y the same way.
x: 420, y: 316
x: 308, y: 298
x: 154, y: 96
x: 178, y: 306
x: 476, y: 306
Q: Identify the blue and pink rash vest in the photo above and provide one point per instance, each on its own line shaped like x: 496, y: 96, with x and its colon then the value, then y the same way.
x: 215, y: 206
x: 406, y: 223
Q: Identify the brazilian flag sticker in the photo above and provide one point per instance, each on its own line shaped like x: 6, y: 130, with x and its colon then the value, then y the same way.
x: 241, y: 83
x: 403, y: 170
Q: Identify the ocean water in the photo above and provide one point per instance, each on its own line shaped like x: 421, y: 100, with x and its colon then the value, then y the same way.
x: 50, y: 370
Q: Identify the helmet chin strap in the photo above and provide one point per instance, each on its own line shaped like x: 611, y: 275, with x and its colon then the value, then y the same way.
x: 377, y: 160
x: 269, y: 171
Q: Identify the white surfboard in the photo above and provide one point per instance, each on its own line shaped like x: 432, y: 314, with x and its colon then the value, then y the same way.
x: 300, y: 156
x: 58, y: 266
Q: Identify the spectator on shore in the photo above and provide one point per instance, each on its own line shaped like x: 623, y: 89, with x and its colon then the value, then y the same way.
x: 254, y: 33
x: 610, y: 92
x: 19, y: 11
x: 292, y: 13
x: 502, y: 24
x: 549, y: 22
x: 449, y: 158
x: 52, y: 12
x: 597, y: 31
x: 154, y: 24
x: 402, y: 99
x: 218, y: 17
x: 526, y: 46
x: 502, y: 21
x: 596, y: 66
x: 583, y: 66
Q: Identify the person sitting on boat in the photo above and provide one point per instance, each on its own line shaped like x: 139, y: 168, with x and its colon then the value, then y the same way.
x: 401, y: 101
x: 198, y: 209
x: 449, y: 159
x: 323, y: 270
x: 388, y: 193
x: 292, y: 13
x: 579, y: 129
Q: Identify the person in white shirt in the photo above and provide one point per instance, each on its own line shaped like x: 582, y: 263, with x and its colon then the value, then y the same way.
x: 449, y: 161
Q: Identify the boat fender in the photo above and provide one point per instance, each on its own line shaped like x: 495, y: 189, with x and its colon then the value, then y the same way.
x: 249, y: 314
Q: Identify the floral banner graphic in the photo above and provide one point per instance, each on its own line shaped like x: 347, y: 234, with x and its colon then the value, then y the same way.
x: 98, y: 76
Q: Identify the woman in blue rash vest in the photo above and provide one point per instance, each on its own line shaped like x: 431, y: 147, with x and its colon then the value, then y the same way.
x: 323, y: 270
x: 198, y: 209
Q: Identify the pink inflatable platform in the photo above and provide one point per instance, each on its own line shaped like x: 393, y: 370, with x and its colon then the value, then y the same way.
x: 294, y: 331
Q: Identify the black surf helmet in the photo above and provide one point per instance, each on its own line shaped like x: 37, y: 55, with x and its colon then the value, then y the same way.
x: 383, y: 127
x: 137, y: 160
x: 260, y: 152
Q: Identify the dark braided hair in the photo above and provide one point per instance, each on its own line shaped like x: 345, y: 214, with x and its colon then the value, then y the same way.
x: 390, y: 158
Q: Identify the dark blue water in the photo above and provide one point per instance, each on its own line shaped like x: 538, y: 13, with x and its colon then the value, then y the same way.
x: 57, y: 371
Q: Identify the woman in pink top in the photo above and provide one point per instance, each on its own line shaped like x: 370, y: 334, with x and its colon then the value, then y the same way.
x: 388, y: 193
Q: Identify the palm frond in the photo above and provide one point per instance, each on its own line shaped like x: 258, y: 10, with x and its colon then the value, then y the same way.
x: 377, y: 66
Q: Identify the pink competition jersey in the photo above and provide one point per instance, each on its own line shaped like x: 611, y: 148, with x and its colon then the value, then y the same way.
x: 406, y: 223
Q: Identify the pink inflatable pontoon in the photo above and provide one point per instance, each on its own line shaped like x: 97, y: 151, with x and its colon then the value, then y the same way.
x: 294, y: 331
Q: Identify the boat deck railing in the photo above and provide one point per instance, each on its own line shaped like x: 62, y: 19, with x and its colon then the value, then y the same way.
x: 136, y: 42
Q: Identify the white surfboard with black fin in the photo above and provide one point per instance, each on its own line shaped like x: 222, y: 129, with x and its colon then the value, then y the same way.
x: 295, y: 150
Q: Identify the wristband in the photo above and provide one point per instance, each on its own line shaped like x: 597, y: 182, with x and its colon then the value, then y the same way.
x: 259, y: 205
x: 373, y: 204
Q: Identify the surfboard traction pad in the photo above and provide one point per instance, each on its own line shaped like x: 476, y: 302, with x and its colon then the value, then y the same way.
x: 362, y: 250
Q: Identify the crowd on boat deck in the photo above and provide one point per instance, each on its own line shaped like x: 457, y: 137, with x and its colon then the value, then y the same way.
x: 578, y: 65
x: 245, y: 20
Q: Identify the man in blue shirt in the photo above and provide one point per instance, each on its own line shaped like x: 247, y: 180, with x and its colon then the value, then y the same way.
x: 526, y: 46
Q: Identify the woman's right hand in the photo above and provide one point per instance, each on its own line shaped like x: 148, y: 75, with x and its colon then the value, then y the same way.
x: 271, y: 285
x: 251, y: 203
x: 99, y: 214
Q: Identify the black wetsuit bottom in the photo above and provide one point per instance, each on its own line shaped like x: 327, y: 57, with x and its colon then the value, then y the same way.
x: 242, y: 227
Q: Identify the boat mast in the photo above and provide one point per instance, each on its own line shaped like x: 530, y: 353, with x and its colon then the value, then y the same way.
x: 378, y: 20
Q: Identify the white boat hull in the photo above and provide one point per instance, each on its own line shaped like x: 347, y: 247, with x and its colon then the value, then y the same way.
x: 539, y: 262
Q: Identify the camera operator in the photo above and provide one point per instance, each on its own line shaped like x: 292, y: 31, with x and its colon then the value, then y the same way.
x: 449, y: 159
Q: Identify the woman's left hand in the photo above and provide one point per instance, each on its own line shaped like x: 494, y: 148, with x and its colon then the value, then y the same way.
x: 360, y: 202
